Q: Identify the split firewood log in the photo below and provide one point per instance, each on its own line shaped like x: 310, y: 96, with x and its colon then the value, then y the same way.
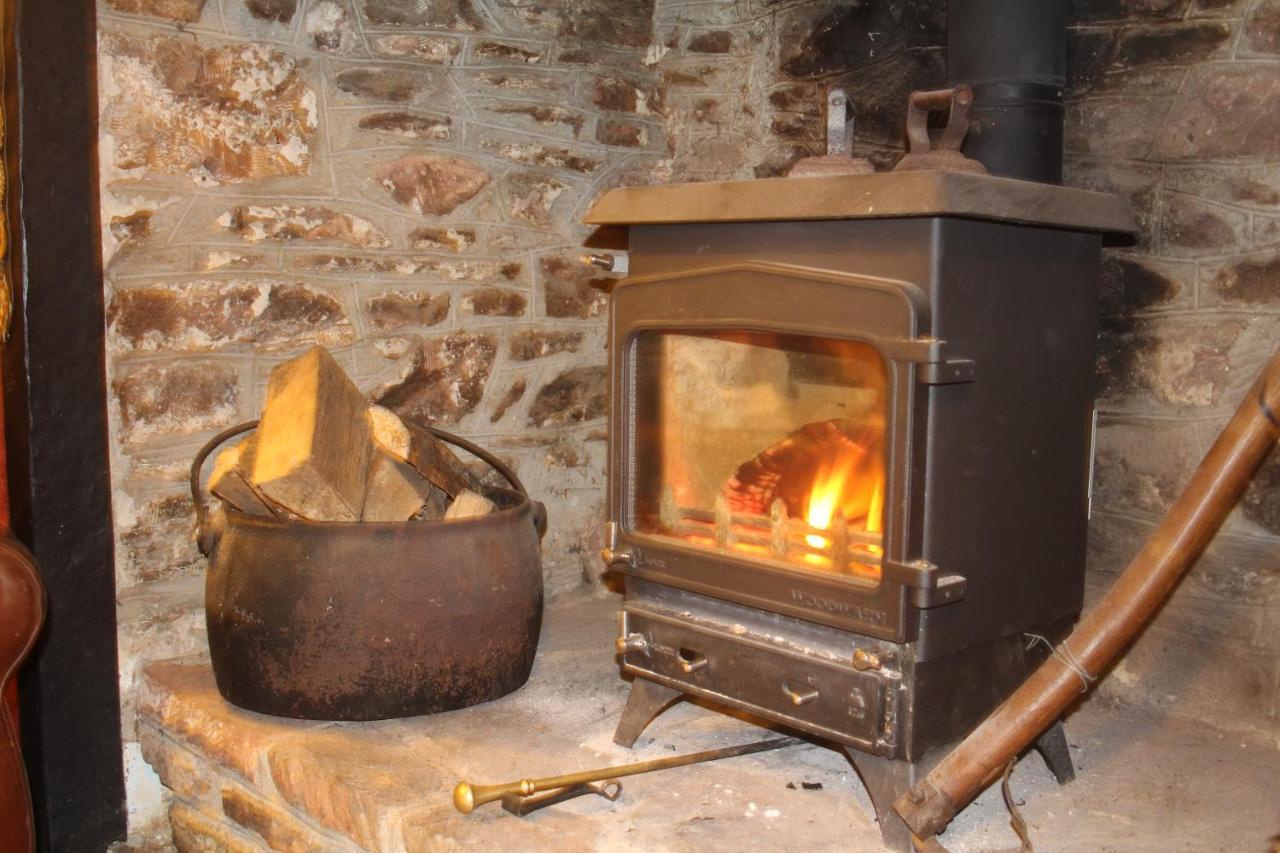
x: 229, y: 482
x: 394, y: 491
x: 390, y: 432
x: 433, y: 459
x: 315, y: 440
x: 469, y: 504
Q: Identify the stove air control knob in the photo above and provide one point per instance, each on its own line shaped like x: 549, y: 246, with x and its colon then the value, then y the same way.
x: 631, y: 643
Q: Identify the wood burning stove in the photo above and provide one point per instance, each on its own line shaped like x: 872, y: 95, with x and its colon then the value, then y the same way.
x: 850, y: 450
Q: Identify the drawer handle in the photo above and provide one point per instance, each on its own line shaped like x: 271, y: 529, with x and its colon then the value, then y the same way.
x: 691, y: 661
x: 800, y: 697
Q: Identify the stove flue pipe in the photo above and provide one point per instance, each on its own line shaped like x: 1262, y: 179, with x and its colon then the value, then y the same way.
x: 1013, y: 54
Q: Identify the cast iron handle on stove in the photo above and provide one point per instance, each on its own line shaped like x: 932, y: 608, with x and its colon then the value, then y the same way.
x: 957, y: 99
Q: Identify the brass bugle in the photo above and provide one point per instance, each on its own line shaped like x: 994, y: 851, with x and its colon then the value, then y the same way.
x: 466, y: 797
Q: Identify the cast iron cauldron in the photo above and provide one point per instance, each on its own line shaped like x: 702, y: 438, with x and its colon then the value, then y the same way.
x: 367, y: 621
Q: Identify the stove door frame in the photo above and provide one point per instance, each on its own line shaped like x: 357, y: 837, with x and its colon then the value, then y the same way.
x: 819, y: 303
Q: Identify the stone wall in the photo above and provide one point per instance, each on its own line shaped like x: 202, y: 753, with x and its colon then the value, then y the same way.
x: 1176, y: 106
x: 401, y: 180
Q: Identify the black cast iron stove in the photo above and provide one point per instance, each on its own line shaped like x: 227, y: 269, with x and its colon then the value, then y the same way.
x: 850, y: 449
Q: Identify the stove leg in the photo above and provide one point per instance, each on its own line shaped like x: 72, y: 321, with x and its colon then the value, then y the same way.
x: 1052, y: 747
x: 648, y: 699
x: 884, y: 780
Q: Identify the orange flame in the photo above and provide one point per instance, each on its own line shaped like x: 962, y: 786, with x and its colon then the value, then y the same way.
x: 841, y: 487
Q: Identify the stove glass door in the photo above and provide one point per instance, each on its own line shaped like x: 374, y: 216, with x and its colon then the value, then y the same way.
x: 763, y: 445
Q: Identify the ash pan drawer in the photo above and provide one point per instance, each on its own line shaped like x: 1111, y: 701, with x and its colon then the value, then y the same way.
x: 809, y: 693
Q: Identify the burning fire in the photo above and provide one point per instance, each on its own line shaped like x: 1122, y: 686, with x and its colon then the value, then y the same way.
x: 838, y: 488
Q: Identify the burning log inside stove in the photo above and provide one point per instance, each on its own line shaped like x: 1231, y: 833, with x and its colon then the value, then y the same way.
x: 816, y: 496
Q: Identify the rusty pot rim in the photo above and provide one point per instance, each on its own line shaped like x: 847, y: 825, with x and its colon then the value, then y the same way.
x: 502, y: 516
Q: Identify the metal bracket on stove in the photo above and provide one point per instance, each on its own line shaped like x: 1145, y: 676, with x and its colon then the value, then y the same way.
x: 928, y: 586
x: 953, y: 371
x: 936, y: 365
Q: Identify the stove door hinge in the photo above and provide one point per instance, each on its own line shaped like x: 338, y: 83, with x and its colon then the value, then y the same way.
x: 953, y: 371
x: 927, y: 585
x: 613, y: 553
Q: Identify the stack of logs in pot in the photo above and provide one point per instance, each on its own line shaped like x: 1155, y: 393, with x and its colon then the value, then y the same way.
x: 322, y: 453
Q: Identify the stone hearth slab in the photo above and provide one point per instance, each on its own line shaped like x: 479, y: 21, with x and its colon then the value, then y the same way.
x: 243, y: 781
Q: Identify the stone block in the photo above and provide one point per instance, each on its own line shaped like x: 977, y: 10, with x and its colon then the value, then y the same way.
x: 179, y: 398
x: 575, y: 396
x: 409, y: 125
x: 1248, y: 186
x: 530, y: 152
x: 184, y: 702
x: 547, y: 119
x: 624, y: 134
x: 445, y: 381
x: 185, y: 11
x: 523, y: 82
x: 1182, y: 43
x: 330, y: 27
x: 539, y: 343
x: 530, y: 197
x: 1176, y: 364
x: 712, y: 41
x: 1142, y: 465
x: 196, y: 832
x: 432, y: 185
x: 219, y: 114
x: 1262, y: 29
x: 204, y: 315
x: 1243, y: 281
x: 277, y: 11
x: 399, y: 309
x: 493, y: 52
x: 1223, y: 111
x: 494, y: 302
x: 571, y: 289
x: 1191, y: 227
x: 161, y: 619
x: 355, y: 780
x: 279, y: 828
x: 433, y: 49
x: 160, y: 544
x: 437, y: 15
x: 826, y: 38
x: 1134, y: 283
x: 181, y: 770
x: 451, y: 238
x: 285, y: 223
x: 513, y: 395
x: 394, y: 85
x: 1233, y: 569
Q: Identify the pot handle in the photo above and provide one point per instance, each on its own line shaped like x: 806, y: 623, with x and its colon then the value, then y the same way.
x: 208, y: 536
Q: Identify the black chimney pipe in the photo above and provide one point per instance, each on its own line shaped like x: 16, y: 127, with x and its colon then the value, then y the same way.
x: 1013, y: 54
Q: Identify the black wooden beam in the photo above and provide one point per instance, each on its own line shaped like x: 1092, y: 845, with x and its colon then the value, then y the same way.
x: 56, y: 425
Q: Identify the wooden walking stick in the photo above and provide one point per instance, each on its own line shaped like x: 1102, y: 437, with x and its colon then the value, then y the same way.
x: 1100, y: 637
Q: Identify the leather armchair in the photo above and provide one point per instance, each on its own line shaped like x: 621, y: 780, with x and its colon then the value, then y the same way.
x: 22, y: 606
